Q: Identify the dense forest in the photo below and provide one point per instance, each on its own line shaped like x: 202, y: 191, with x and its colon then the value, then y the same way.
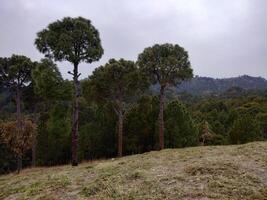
x: 123, y: 108
x: 208, y: 86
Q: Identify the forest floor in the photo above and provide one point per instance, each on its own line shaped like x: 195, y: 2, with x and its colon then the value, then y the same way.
x: 213, y: 172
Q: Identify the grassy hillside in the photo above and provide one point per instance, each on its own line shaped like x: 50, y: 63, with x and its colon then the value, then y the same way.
x: 214, y: 172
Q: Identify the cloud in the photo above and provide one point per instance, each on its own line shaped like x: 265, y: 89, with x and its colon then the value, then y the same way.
x: 224, y: 38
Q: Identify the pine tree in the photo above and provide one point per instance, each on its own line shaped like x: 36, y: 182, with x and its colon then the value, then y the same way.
x: 166, y: 65
x: 75, y: 40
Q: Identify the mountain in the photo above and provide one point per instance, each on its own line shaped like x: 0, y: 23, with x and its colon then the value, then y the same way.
x: 206, y: 85
x: 210, y: 172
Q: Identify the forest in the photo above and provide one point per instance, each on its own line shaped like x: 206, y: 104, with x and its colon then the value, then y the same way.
x: 124, y: 107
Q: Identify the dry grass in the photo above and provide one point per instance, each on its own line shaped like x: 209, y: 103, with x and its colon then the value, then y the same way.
x: 214, y: 172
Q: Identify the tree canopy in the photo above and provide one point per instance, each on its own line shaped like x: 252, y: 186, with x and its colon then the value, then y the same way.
x: 116, y: 82
x: 73, y: 39
x: 48, y: 82
x: 15, y: 71
x: 165, y: 64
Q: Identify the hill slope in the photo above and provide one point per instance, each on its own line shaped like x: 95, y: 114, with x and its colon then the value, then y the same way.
x: 214, y: 172
x: 206, y: 85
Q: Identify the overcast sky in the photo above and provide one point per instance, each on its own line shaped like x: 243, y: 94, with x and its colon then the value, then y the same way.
x: 224, y: 38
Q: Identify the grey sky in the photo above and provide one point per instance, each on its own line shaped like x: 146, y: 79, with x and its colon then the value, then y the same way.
x: 224, y: 38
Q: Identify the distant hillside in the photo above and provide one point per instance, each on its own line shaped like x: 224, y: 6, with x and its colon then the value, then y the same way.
x: 206, y: 85
x: 211, y: 172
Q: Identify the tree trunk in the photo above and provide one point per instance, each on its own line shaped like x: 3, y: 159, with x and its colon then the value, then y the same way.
x: 34, y: 144
x: 34, y: 140
x: 120, y: 134
x: 75, y: 117
x: 161, y: 118
x: 18, y: 105
x: 19, y: 163
x: 19, y: 124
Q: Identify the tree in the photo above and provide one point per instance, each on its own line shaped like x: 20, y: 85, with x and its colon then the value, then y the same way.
x: 15, y: 74
x: 140, y: 125
x: 245, y: 129
x: 31, y: 101
x: 181, y: 130
x: 262, y: 119
x: 47, y: 88
x: 166, y: 65
x: 47, y: 80
x: 206, y: 135
x: 75, y: 40
x: 116, y: 82
x: 18, y: 143
x: 98, y: 131
x: 54, y: 134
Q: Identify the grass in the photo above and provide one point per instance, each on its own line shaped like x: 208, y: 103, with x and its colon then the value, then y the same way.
x: 213, y: 172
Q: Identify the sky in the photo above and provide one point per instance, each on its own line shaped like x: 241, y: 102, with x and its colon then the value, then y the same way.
x: 224, y: 38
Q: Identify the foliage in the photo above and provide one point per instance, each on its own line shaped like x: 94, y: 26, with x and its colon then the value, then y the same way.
x: 15, y: 71
x: 227, y: 87
x: 7, y: 158
x: 218, y: 115
x: 166, y: 64
x: 116, y: 83
x: 181, y: 130
x: 72, y: 39
x: 54, y: 135
x: 245, y: 129
x: 15, y: 75
x: 262, y: 120
x: 208, y: 137
x: 140, y: 126
x: 75, y: 40
x: 97, y: 131
x: 48, y: 82
x: 18, y: 142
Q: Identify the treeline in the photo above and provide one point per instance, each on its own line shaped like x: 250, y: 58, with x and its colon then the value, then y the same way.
x: 46, y: 120
x: 211, y: 86
x: 187, y: 123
